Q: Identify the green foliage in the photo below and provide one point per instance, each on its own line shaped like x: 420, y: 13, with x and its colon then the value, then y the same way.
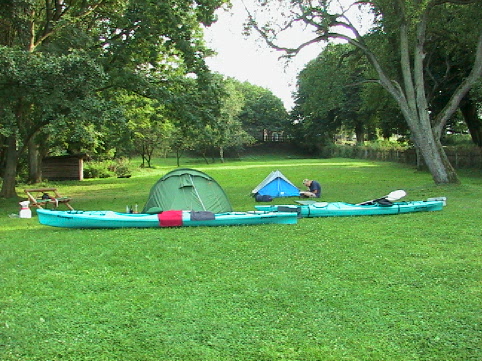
x: 229, y: 132
x: 121, y: 167
x: 141, y: 45
x: 261, y: 110
x: 98, y: 169
x: 50, y: 99
x: 207, y: 117
x: 459, y: 140
x: 385, y: 144
x: 335, y: 97
x: 405, y: 30
x: 401, y: 287
x: 328, y: 97
x: 32, y: 93
x: 40, y: 90
x: 148, y: 130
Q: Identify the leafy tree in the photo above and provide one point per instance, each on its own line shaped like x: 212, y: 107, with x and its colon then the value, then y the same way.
x: 148, y: 127
x: 230, y: 133
x: 261, y: 110
x: 384, y: 116
x: 134, y: 41
x: 407, y: 24
x: 449, y: 59
x: 224, y: 130
x: 33, y: 98
x: 328, y: 96
x: 194, y: 109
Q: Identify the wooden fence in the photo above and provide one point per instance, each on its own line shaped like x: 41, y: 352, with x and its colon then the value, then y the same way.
x: 460, y: 158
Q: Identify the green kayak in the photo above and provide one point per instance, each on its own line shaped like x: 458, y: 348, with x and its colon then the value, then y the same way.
x: 110, y: 219
x: 342, y: 209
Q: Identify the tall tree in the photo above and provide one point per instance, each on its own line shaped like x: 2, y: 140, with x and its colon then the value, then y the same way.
x: 34, y: 98
x: 329, y: 93
x: 131, y: 39
x: 406, y: 21
x: 261, y: 110
x: 448, y: 62
x: 229, y: 131
x: 208, y: 117
x: 148, y: 127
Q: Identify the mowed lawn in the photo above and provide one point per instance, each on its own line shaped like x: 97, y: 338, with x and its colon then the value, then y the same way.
x: 404, y: 287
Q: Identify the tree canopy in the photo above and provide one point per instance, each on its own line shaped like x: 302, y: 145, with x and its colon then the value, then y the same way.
x: 261, y: 110
x: 139, y: 46
x: 407, y: 29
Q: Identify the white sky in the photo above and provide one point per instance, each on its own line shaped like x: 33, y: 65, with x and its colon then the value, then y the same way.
x: 250, y: 59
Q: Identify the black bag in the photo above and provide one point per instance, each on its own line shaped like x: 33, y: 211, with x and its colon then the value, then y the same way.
x: 263, y: 198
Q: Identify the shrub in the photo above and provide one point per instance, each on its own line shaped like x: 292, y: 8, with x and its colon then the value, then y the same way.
x: 95, y: 169
x: 120, y: 167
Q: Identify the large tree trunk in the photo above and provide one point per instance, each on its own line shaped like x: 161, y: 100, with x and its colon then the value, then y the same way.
x: 412, y: 100
x: 428, y: 143
x: 474, y: 123
x: 360, y: 133
x: 427, y: 140
x: 435, y: 157
x: 413, y: 104
x: 34, y: 162
x: 10, y: 173
x: 221, y: 154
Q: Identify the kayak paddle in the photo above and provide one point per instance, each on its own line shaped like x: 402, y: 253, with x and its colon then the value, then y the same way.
x: 391, y: 197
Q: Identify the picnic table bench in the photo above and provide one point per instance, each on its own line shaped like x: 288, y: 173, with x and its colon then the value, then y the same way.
x: 42, y: 197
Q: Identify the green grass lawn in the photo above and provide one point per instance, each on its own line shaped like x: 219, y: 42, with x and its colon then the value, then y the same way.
x: 405, y: 287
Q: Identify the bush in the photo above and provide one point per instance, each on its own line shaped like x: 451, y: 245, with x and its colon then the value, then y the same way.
x: 459, y: 140
x: 106, y: 169
x: 120, y: 167
x: 95, y: 169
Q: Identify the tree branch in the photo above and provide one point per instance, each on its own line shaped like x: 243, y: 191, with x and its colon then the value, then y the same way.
x: 52, y: 16
x: 452, y: 105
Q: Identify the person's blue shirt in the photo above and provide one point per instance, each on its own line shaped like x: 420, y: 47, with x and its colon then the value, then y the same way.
x: 315, y: 188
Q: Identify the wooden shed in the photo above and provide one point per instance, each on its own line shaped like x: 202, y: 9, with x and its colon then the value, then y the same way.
x: 67, y: 167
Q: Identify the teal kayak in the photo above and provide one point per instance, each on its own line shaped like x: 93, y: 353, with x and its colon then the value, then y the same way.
x: 111, y: 219
x: 342, y: 209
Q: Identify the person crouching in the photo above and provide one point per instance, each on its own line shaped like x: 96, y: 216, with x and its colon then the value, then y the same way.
x: 314, y: 189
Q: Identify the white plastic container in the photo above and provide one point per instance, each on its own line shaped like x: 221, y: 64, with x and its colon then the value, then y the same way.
x: 25, y: 211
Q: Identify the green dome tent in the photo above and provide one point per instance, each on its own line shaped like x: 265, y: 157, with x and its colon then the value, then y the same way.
x: 188, y: 190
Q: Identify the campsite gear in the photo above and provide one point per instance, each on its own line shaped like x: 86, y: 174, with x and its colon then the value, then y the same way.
x: 265, y: 198
x: 340, y: 209
x: 110, y: 219
x: 25, y: 211
x: 188, y: 190
x: 41, y: 197
x: 276, y: 185
x: 390, y: 197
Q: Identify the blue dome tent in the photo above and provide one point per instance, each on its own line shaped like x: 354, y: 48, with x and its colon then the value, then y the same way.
x: 276, y: 185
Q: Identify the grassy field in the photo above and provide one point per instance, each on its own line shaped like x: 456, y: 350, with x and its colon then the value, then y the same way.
x: 405, y: 287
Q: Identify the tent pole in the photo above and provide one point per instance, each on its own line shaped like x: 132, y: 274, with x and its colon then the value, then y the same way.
x: 197, y: 193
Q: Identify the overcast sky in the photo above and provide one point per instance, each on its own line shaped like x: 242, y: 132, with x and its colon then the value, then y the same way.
x: 249, y: 59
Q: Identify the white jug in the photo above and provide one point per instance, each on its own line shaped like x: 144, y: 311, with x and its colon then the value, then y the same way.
x: 25, y: 211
